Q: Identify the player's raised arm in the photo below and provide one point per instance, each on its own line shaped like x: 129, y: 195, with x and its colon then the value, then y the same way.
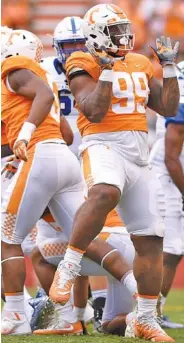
x: 164, y: 99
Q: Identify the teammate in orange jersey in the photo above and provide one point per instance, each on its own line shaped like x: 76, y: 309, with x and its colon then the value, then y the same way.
x: 49, y: 173
x: 51, y: 247
x: 112, y: 88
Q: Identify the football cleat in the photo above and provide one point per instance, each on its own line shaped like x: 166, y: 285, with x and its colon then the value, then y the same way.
x: 14, y: 323
x: 163, y: 321
x: 149, y: 330
x: 98, y: 305
x: 64, y: 279
x: 61, y: 328
x: 38, y: 305
x: 167, y: 324
x: 40, y: 292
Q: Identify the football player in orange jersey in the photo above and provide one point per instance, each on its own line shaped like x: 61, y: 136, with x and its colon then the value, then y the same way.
x: 29, y: 181
x: 112, y: 88
x: 30, y: 111
x: 51, y: 246
x: 5, y: 149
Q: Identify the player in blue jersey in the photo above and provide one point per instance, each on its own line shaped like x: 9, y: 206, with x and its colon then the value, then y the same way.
x: 68, y: 37
x: 174, y: 147
x: 167, y: 158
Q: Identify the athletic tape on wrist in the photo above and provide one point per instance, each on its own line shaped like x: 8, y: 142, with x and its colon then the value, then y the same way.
x: 169, y: 71
x: 106, y: 75
x: 26, y: 131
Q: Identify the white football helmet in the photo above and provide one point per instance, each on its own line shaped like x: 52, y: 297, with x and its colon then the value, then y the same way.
x: 107, y: 27
x: 23, y: 43
x: 69, y: 30
x: 5, y: 33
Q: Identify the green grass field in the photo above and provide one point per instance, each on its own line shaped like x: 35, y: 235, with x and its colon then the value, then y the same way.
x: 174, y: 309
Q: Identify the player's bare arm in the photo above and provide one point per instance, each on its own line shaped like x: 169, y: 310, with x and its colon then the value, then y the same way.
x: 173, y: 146
x: 164, y: 99
x: 24, y: 82
x: 93, y: 98
x: 66, y: 130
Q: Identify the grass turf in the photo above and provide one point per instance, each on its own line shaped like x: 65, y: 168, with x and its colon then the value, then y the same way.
x: 174, y: 309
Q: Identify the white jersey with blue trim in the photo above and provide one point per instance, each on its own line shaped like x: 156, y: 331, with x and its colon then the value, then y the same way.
x: 158, y: 151
x: 67, y: 101
x: 161, y: 121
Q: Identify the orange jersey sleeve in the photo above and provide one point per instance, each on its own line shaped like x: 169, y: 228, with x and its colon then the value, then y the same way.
x: 16, y: 108
x: 4, y: 139
x: 82, y: 61
x: 20, y: 62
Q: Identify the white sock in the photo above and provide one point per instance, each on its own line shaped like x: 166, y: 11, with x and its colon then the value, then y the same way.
x: 101, y: 293
x: 66, y: 312
x: 27, y: 296
x: 128, y: 280
x: 14, y: 303
x: 129, y: 317
x: 28, y: 308
x: 146, y: 307
x: 79, y: 312
x: 73, y: 256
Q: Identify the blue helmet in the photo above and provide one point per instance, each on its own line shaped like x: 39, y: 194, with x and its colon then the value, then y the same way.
x: 69, y: 30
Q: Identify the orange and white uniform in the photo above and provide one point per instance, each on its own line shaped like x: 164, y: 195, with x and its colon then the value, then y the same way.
x: 52, y: 243
x: 29, y: 242
x: 119, y: 299
x: 5, y: 152
x: 51, y: 176
x: 115, y: 151
x: 4, y: 139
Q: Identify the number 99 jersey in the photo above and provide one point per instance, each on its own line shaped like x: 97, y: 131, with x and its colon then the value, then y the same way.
x: 67, y: 101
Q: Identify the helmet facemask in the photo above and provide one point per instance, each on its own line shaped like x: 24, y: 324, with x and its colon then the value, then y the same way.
x: 114, y: 38
x: 121, y: 36
x: 62, y: 52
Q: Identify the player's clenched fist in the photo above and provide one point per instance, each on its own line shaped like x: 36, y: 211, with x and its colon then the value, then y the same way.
x: 164, y: 52
x: 101, y: 57
x: 20, y: 149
